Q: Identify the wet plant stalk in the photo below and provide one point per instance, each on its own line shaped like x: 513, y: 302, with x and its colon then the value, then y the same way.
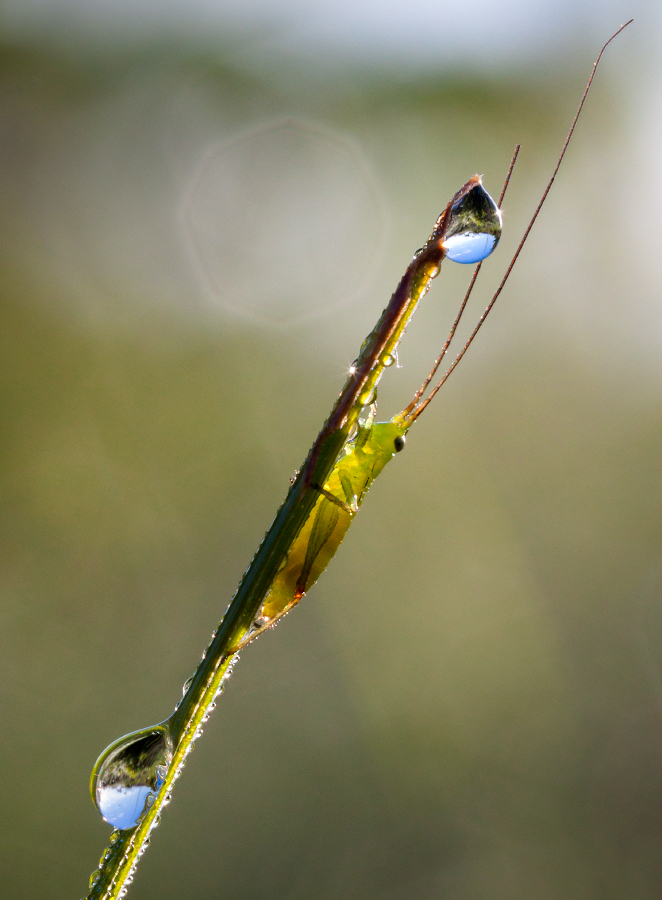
x: 118, y: 863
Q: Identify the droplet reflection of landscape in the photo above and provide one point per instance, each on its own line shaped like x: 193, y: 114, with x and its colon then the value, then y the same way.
x: 128, y: 775
x: 475, y: 227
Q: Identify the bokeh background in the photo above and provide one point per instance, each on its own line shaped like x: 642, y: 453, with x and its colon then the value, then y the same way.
x: 203, y: 209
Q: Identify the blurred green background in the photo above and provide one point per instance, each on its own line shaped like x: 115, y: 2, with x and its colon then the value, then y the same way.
x: 200, y: 219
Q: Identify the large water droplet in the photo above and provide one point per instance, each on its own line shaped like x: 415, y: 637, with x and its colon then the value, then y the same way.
x: 475, y: 226
x: 128, y: 775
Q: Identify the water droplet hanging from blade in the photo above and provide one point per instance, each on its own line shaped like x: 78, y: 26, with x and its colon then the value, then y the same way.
x: 128, y: 774
x: 475, y: 227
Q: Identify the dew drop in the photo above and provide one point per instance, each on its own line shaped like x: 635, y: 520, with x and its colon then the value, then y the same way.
x: 128, y: 775
x: 368, y: 398
x: 475, y: 226
x: 388, y: 360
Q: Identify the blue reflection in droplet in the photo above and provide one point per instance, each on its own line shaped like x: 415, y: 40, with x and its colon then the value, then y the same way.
x: 469, y: 247
x: 123, y: 807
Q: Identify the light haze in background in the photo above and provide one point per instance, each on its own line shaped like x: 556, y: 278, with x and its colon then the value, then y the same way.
x: 417, y: 35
